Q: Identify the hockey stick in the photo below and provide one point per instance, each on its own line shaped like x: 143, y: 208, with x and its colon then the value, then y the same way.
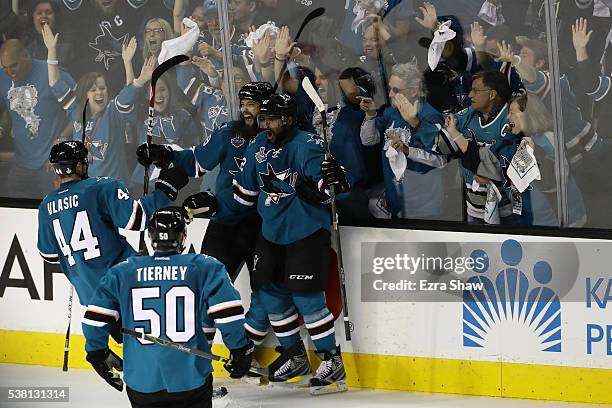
x: 157, y: 73
x: 84, y: 118
x: 318, y: 12
x: 67, y: 341
x: 180, y: 347
x: 316, y: 99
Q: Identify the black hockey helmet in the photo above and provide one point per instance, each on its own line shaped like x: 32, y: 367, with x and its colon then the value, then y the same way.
x: 278, y: 105
x: 168, y: 229
x: 65, y: 156
x: 256, y: 91
x: 363, y: 79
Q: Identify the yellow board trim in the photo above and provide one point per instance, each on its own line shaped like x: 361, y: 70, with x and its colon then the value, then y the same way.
x: 496, y: 379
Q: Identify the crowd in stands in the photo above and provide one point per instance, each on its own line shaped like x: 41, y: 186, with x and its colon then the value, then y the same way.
x: 435, y: 109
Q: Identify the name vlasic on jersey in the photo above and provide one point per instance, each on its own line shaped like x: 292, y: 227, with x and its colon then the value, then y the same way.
x: 78, y: 228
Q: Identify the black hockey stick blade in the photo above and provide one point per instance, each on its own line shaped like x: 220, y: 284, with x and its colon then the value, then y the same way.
x: 84, y: 119
x: 66, y: 349
x: 318, y: 12
x: 166, y: 65
x: 180, y: 347
x: 67, y: 340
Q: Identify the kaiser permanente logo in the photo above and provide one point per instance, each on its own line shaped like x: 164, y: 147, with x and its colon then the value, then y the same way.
x: 517, y: 302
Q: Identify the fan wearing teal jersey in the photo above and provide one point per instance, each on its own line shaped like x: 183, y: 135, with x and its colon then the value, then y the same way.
x: 480, y: 135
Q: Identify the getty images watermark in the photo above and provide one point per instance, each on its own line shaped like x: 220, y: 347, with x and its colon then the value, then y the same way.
x: 447, y: 271
x: 410, y: 265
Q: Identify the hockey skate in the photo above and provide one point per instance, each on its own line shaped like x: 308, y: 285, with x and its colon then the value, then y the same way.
x: 251, y: 377
x: 291, y: 367
x: 220, y: 397
x: 330, y: 376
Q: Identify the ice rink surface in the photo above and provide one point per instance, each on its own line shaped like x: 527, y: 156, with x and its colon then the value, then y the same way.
x: 88, y: 390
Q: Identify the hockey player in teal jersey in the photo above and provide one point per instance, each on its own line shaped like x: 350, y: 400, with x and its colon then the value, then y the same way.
x: 78, y: 223
x: 286, y: 175
x: 170, y: 296
x: 230, y: 235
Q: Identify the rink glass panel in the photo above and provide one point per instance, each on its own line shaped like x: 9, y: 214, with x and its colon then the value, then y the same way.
x: 571, y: 193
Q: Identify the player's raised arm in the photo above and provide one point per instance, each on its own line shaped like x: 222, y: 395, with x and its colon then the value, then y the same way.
x: 129, y: 213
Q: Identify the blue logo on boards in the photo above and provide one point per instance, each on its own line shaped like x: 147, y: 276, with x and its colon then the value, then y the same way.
x: 516, y: 306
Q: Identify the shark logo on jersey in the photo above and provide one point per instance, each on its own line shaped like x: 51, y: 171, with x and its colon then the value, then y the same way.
x: 107, y: 45
x: 97, y: 149
x: 261, y: 156
x: 23, y: 100
x: 318, y: 139
x: 277, y: 185
x: 214, y: 112
x: 240, y: 161
x: 237, y: 141
x: 164, y: 129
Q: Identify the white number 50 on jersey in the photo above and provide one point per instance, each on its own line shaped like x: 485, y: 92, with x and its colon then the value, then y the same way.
x: 140, y: 314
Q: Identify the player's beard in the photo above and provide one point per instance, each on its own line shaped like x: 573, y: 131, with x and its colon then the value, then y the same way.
x: 282, y: 137
x: 248, y: 132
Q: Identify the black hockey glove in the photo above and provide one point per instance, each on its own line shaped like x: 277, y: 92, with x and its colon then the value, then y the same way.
x: 202, y: 205
x: 116, y: 331
x: 171, y: 179
x: 310, y: 193
x: 334, y: 175
x: 103, y: 361
x: 240, y: 360
x: 158, y: 155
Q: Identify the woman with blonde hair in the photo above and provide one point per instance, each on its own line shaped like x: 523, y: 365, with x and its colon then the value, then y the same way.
x: 157, y: 30
x: 529, y: 116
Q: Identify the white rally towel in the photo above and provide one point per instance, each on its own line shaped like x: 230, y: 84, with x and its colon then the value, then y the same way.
x: 491, y: 212
x: 397, y: 160
x: 441, y: 36
x: 523, y: 168
x: 180, y: 45
x: 491, y: 13
x: 255, y: 36
x: 361, y: 12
